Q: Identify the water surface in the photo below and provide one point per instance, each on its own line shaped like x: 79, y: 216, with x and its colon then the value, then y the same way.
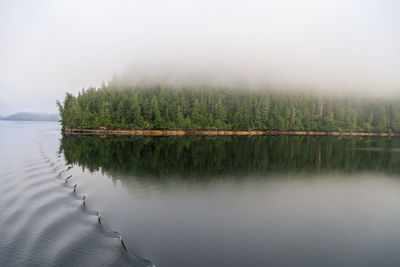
x: 42, y: 221
x: 198, y: 201
x: 247, y: 201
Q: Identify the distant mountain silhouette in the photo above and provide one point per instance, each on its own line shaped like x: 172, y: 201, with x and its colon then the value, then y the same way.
x: 32, y: 116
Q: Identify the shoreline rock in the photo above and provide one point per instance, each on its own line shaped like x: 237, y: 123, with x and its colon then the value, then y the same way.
x: 213, y: 132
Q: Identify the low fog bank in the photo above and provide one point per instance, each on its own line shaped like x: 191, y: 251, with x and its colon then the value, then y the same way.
x: 270, y: 76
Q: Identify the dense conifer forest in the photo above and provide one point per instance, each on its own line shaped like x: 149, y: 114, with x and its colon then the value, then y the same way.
x: 157, y: 107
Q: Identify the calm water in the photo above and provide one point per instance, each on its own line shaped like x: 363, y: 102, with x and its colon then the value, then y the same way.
x: 241, y: 201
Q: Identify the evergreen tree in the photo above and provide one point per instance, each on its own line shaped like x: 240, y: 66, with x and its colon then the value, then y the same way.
x: 158, y: 107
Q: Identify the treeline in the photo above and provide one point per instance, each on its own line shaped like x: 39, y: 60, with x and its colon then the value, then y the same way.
x: 156, y: 107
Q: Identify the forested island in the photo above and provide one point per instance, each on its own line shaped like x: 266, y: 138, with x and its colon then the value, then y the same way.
x: 158, y: 107
x: 31, y: 116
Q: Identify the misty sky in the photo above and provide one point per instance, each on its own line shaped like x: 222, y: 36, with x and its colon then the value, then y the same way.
x: 50, y: 47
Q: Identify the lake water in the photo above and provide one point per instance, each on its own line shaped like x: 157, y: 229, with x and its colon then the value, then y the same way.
x: 197, y: 201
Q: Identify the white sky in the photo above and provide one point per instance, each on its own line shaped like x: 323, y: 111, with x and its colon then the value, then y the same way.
x: 50, y: 47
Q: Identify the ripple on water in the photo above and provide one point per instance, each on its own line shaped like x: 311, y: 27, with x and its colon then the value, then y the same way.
x: 42, y: 221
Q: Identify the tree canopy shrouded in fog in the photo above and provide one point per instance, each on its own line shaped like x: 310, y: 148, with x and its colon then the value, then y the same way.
x: 155, y: 107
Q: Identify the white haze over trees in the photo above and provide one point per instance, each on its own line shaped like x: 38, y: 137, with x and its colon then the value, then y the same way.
x: 50, y: 47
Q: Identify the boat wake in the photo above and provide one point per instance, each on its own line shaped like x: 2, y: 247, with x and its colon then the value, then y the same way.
x: 45, y: 220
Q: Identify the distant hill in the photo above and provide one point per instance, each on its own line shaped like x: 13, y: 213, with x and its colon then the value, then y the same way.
x: 31, y: 116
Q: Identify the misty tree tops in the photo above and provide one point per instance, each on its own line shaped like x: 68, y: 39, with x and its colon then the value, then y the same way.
x: 162, y: 108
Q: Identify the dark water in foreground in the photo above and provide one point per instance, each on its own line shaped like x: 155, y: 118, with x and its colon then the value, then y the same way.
x: 234, y: 201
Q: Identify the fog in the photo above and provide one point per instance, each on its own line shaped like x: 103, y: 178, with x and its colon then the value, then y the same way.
x: 48, y: 48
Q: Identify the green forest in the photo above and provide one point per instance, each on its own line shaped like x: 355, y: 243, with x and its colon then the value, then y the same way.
x: 157, y: 107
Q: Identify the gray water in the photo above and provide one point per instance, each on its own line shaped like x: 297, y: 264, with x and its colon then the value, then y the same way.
x: 252, y: 201
x: 42, y: 221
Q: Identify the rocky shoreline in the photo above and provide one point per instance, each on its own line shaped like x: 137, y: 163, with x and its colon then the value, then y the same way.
x: 213, y: 132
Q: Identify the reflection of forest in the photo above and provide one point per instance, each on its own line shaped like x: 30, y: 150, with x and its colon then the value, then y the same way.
x: 200, y: 157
